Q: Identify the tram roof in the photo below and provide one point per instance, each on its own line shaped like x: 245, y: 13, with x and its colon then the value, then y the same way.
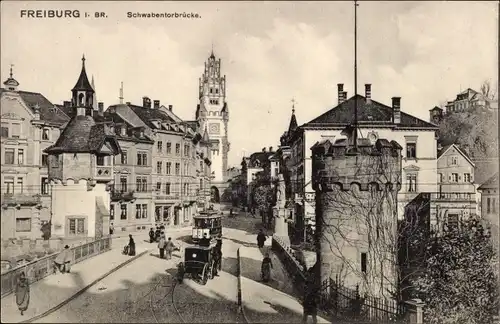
x: 207, y: 215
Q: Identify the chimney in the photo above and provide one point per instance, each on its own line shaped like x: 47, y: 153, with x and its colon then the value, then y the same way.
x: 396, y: 110
x: 67, y: 104
x: 146, y: 102
x: 340, y: 91
x: 157, y: 104
x: 100, y: 108
x: 263, y: 149
x: 342, y: 96
x: 270, y: 149
x: 170, y: 107
x: 127, y: 103
x: 368, y: 92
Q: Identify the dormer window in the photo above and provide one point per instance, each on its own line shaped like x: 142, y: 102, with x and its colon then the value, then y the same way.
x: 123, y: 130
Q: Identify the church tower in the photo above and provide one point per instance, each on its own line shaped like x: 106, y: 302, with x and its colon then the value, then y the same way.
x: 213, y: 114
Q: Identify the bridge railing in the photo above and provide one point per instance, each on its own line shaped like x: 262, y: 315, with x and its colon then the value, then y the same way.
x: 41, y: 268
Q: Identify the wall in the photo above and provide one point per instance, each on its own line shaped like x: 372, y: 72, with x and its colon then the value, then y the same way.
x: 77, y: 166
x: 75, y: 200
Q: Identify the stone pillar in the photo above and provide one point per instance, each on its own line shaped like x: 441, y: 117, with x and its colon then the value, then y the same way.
x: 280, y: 225
x: 415, y: 313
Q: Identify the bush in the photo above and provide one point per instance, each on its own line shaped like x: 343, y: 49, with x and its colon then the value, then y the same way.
x: 458, y: 282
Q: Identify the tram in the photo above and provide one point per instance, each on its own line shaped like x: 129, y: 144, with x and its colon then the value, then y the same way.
x: 207, y: 222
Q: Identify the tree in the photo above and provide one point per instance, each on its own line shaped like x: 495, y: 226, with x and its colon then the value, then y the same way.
x: 458, y: 282
x: 487, y: 91
x: 263, y: 194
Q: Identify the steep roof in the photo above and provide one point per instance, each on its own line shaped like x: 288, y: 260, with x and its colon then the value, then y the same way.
x: 447, y: 147
x: 48, y: 111
x: 491, y: 183
x: 83, y: 81
x: 436, y: 108
x: 82, y: 135
x: 369, y: 113
x: 149, y: 114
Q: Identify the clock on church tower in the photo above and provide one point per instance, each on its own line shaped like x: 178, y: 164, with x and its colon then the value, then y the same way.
x: 214, y: 129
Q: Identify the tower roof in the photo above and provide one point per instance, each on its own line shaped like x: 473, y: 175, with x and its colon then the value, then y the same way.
x: 293, y: 123
x: 83, y: 135
x: 83, y: 83
x: 11, y: 81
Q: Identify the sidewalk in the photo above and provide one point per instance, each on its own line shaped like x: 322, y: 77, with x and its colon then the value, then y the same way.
x: 55, y: 289
x: 275, y: 302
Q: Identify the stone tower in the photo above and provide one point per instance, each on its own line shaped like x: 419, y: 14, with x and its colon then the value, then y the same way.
x: 356, y: 213
x: 81, y: 169
x: 212, y: 114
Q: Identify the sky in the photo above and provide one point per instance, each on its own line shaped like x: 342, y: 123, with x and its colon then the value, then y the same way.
x: 271, y: 52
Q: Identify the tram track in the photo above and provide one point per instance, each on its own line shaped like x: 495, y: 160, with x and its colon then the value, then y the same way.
x: 171, y: 309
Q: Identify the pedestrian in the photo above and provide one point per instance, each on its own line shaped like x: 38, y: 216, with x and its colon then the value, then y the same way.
x: 161, y: 246
x: 218, y: 247
x: 151, y: 235
x: 111, y: 229
x: 261, y: 238
x: 131, y: 246
x: 63, y: 260
x: 266, y: 267
x: 217, y: 261
x: 169, y: 247
x: 157, y: 234
x: 231, y: 212
x: 22, y: 291
x: 310, y: 306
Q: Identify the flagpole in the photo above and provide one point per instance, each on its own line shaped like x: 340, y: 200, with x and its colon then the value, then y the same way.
x: 355, y: 77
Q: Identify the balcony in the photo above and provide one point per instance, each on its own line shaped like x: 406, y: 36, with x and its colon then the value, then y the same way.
x: 18, y: 200
x: 453, y: 196
x: 162, y: 196
x: 125, y: 196
x: 103, y: 172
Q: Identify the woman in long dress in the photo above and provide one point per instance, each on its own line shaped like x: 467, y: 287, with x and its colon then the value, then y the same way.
x: 22, y: 293
x: 131, y: 246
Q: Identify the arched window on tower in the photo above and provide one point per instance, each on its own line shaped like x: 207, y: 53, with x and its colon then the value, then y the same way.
x: 80, y: 99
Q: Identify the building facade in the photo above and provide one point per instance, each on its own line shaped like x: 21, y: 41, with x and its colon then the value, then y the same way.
x: 175, y: 170
x: 29, y: 124
x: 212, y: 115
x: 375, y: 120
x: 470, y: 99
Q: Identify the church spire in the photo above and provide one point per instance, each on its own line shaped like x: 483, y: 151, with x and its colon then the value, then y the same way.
x: 83, y: 94
x: 293, y: 120
x: 83, y: 83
